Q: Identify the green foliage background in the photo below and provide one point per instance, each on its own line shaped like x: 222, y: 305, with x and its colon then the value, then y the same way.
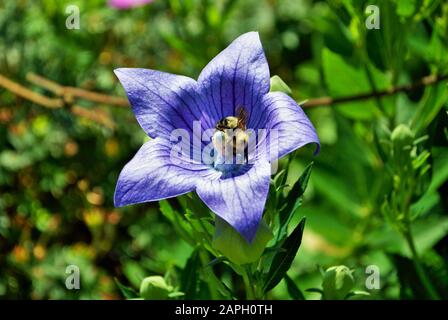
x: 58, y: 172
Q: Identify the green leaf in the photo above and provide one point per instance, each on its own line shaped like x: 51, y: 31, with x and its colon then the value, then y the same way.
x: 387, y: 46
x: 344, y: 79
x: 174, y: 295
x: 277, y: 84
x: 335, y: 33
x: 216, y: 282
x: 324, y: 221
x: 410, y: 284
x: 336, y: 191
x: 293, y: 289
x: 201, y: 225
x: 427, y: 232
x: 195, y: 204
x: 433, y: 100
x: 182, y: 227
x: 437, y: 268
x: 405, y: 8
x: 293, y: 200
x: 440, y: 165
x: 357, y: 293
x: 315, y: 290
x: 280, y: 178
x: 283, y: 259
x: 127, y: 292
x: 189, y: 277
x: 134, y: 272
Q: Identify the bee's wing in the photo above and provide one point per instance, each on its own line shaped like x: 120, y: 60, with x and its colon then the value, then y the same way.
x: 241, y: 113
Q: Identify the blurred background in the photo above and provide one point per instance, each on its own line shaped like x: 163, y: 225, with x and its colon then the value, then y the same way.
x: 59, y: 165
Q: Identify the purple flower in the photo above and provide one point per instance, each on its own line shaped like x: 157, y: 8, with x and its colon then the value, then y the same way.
x: 238, y: 78
x: 126, y: 4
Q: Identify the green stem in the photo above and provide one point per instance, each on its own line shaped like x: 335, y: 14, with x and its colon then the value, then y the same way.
x: 246, y: 274
x: 204, y: 229
x: 426, y: 282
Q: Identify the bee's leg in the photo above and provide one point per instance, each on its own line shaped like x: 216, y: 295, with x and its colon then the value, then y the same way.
x: 246, y: 154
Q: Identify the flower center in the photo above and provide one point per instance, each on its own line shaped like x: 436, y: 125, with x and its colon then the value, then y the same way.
x: 230, y: 142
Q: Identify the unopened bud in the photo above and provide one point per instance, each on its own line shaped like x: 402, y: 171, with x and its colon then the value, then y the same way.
x: 337, y: 282
x: 402, y: 135
x: 233, y: 246
x: 154, y: 288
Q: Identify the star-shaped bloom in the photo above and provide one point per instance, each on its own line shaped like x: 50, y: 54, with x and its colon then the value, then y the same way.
x: 237, y: 78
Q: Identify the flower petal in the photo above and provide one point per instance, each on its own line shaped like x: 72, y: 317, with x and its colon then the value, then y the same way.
x: 162, y: 102
x: 156, y: 173
x: 238, y: 76
x: 287, y: 125
x: 239, y: 200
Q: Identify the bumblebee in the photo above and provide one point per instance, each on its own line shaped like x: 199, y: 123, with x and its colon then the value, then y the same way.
x: 230, y: 136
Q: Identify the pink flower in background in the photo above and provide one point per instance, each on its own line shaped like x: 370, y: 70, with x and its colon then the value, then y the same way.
x: 126, y: 4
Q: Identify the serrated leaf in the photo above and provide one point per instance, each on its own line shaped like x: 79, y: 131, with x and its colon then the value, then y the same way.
x: 127, y: 292
x: 283, y: 259
x: 293, y: 289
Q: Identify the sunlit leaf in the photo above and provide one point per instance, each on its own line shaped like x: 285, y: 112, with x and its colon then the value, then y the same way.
x: 283, y: 259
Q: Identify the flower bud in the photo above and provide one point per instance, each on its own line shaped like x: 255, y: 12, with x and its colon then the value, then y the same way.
x: 337, y: 282
x: 402, y: 138
x: 402, y: 135
x: 154, y: 288
x: 232, y: 245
